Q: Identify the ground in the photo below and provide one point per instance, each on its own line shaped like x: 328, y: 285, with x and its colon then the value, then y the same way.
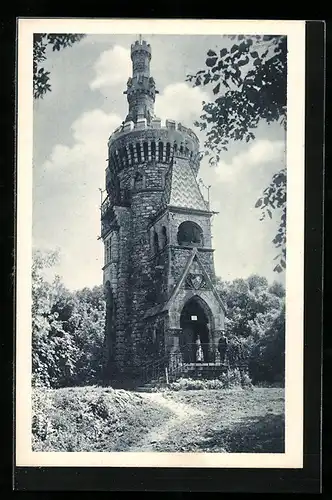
x: 97, y: 419
x: 219, y: 421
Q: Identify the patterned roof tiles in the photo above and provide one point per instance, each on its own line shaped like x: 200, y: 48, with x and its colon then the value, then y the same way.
x: 181, y: 187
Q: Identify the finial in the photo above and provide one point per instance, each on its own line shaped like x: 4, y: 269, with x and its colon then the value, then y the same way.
x: 140, y: 39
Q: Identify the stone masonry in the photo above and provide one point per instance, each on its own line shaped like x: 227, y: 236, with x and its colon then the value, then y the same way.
x: 156, y: 229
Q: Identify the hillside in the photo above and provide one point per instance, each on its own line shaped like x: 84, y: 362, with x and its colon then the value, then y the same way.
x: 105, y: 419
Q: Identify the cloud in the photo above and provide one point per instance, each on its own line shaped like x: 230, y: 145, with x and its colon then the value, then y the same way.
x: 113, y: 67
x: 260, y: 152
x: 180, y: 102
x: 67, y: 198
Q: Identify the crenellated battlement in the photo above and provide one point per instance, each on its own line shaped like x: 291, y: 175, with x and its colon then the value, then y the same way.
x: 156, y: 124
x: 135, y: 143
x: 140, y: 45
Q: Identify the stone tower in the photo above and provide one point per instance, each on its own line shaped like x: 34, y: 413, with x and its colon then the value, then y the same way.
x: 156, y: 227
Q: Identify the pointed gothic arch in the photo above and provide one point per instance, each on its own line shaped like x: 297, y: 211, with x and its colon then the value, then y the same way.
x: 196, y: 330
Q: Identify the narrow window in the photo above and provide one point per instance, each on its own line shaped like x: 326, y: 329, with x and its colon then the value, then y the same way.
x: 138, y: 151
x: 164, y: 236
x: 168, y: 151
x: 146, y: 151
x: 153, y: 150
x: 160, y: 151
x: 132, y: 154
x: 107, y: 251
x: 156, y: 242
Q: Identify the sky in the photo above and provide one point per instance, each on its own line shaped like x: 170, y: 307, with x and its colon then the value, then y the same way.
x: 73, y: 122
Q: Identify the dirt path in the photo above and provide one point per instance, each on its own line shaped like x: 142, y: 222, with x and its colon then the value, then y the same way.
x: 183, y: 417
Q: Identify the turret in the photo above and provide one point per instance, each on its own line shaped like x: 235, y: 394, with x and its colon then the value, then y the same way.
x: 141, y: 89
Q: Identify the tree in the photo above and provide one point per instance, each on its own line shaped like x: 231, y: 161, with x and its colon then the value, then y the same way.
x: 255, y: 326
x: 267, y: 358
x: 41, y: 41
x: 250, y: 84
x: 67, y: 329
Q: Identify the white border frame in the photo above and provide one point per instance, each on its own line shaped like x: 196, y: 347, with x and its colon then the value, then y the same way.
x: 295, y: 32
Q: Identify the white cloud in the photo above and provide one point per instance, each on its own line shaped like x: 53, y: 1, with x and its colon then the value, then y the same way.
x: 259, y: 152
x: 113, y: 67
x: 180, y: 102
x: 66, y: 204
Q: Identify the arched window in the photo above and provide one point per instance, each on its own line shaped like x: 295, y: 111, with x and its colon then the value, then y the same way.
x: 160, y: 151
x: 181, y: 148
x: 156, y: 242
x: 175, y: 147
x: 190, y: 234
x: 164, y: 236
x: 138, y: 182
x: 168, y: 151
x: 138, y: 151
x: 146, y: 151
x: 153, y: 150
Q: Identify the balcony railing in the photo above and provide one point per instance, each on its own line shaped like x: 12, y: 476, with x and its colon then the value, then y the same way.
x: 206, y: 353
x: 105, y: 206
x: 170, y: 367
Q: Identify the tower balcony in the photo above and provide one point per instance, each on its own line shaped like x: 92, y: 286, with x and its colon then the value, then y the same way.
x: 106, y: 207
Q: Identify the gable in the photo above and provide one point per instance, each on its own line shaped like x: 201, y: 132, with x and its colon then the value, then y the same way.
x: 195, y: 277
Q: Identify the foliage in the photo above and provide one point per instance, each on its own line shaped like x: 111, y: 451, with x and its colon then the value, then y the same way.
x: 255, y: 326
x: 229, y: 380
x: 67, y: 329
x: 90, y: 419
x: 41, y: 41
x: 250, y: 84
x: 267, y: 360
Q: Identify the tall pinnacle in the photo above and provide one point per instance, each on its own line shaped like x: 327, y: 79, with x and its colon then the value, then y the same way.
x: 141, y: 89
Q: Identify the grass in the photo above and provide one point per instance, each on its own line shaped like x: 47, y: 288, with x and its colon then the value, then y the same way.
x: 235, y: 421
x: 91, y: 419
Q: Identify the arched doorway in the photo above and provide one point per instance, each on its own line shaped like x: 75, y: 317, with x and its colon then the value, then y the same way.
x: 195, y: 340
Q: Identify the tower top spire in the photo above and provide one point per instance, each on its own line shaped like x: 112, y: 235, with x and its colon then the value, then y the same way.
x: 140, y: 86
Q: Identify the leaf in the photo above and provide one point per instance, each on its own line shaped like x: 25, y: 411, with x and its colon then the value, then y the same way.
x: 211, y: 53
x: 234, y: 48
x: 243, y: 62
x: 278, y: 269
x: 223, y: 52
x: 258, y: 203
x: 216, y: 89
x: 269, y: 212
x: 211, y: 61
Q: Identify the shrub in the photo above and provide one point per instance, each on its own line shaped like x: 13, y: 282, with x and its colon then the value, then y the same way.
x: 231, y: 379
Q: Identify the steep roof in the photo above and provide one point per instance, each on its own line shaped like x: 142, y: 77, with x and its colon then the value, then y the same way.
x: 181, y: 187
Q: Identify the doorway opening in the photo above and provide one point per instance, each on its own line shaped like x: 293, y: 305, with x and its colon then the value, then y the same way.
x: 195, y: 338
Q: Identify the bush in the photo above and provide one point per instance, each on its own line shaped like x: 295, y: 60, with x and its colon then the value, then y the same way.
x: 91, y: 419
x: 231, y: 379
